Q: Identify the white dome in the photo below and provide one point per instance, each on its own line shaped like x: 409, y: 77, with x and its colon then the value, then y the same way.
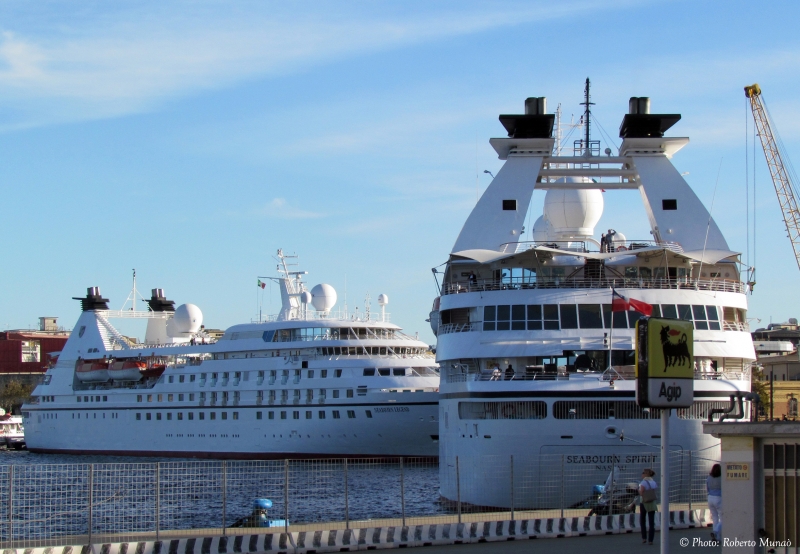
x: 188, y: 319
x: 573, y: 212
x: 305, y: 297
x: 323, y: 297
x: 541, y: 230
x: 383, y: 299
x: 618, y: 240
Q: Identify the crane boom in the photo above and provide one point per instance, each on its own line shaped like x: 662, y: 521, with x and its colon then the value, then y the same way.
x: 777, y: 169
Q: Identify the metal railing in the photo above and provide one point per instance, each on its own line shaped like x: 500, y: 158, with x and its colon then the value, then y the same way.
x: 69, y: 504
x: 483, y: 285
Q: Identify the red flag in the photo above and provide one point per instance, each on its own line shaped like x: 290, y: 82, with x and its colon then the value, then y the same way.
x: 621, y: 303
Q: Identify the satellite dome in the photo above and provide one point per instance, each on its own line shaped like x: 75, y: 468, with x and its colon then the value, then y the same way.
x: 541, y: 230
x: 323, y: 298
x: 618, y: 240
x: 188, y: 319
x: 305, y: 297
x: 383, y: 299
x: 573, y: 212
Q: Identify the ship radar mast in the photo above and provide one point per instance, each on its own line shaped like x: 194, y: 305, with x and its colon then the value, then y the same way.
x: 586, y: 146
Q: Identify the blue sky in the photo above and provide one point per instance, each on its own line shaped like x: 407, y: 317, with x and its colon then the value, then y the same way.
x: 190, y: 140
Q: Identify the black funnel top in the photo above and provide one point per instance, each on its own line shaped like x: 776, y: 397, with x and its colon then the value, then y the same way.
x: 646, y: 125
x: 159, y: 303
x: 93, y: 300
x: 529, y: 126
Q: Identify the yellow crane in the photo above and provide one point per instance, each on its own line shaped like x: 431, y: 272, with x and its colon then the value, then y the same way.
x: 777, y: 169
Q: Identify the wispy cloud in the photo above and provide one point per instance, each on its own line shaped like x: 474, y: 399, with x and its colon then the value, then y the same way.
x: 120, y: 61
x: 279, y: 208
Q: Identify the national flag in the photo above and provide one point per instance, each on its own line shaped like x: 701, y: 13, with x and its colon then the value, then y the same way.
x: 262, y: 285
x: 621, y: 303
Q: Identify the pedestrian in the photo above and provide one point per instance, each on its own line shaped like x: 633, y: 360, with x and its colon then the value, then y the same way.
x: 473, y: 279
x: 714, y: 489
x: 603, y: 244
x: 647, y: 509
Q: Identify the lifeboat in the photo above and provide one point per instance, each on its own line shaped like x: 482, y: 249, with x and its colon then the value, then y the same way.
x: 92, y: 370
x: 126, y: 370
x: 154, y: 372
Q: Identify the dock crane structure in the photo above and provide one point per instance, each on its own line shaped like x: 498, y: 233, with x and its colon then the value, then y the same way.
x: 777, y: 169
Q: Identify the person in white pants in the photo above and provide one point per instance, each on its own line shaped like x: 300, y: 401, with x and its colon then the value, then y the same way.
x: 714, y: 489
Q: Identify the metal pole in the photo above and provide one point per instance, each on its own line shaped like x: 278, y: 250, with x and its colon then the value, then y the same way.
x: 665, y: 481
x: 562, y: 486
x: 346, y: 499
x: 286, y: 495
x: 224, y: 493
x: 91, y: 490
x: 10, y: 506
x: 158, y: 499
x: 691, y: 480
x: 512, y: 487
x: 402, y: 492
x: 458, y: 489
x: 771, y: 395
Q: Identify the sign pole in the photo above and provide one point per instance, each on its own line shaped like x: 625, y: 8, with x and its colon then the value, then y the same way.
x: 665, y: 481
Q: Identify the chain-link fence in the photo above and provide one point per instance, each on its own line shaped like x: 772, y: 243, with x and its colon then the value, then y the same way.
x: 50, y: 505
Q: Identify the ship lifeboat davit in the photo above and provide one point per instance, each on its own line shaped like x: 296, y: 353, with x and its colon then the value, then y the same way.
x: 92, y: 370
x: 126, y: 370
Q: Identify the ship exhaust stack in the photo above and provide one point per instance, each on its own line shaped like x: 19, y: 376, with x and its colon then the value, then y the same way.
x: 93, y: 300
x: 159, y: 303
x: 536, y: 105
x: 639, y: 105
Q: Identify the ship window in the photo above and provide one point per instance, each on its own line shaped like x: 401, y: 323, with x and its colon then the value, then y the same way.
x: 271, y: 415
x: 138, y: 397
x: 180, y: 398
x: 235, y: 415
x: 569, y: 317
x: 509, y: 205
x: 335, y: 414
x: 337, y: 372
x: 335, y: 393
x: 308, y: 414
x: 503, y: 318
x: 323, y: 373
x: 349, y: 393
x: 713, y: 318
x: 620, y: 319
x: 590, y: 316
x: 169, y: 398
x: 169, y: 415
x: 295, y: 414
x: 700, y: 321
x: 669, y: 204
x: 684, y: 312
x: 259, y: 414
x: 668, y: 311
x: 489, y: 318
x: 369, y: 371
x: 362, y: 391
x: 224, y: 415
x: 170, y: 378
x: 138, y: 416
x: 105, y: 399
x: 384, y: 371
x: 180, y: 415
x: 283, y: 415
x: 310, y: 373
x: 351, y: 414
x: 550, y: 313
x: 534, y: 317
x: 191, y: 415
x: 160, y: 397
x: 400, y: 371
x: 148, y: 416
x: 212, y: 415
x: 158, y: 416
x: 632, y: 272
x: 369, y: 414
x: 322, y: 414
x: 518, y: 317
x: 201, y: 415
x: 180, y: 379
x: 528, y: 409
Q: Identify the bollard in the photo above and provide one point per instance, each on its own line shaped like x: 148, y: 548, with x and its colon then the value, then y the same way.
x: 458, y: 490
x: 158, y: 499
x: 402, y: 492
x: 91, y: 492
x: 512, y: 487
x: 224, y: 491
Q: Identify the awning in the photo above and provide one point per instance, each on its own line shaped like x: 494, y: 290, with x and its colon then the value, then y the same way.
x: 708, y: 256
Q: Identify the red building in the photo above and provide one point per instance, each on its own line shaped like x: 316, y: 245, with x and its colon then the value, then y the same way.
x: 29, y: 351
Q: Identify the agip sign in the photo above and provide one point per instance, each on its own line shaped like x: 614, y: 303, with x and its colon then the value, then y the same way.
x: 664, y: 363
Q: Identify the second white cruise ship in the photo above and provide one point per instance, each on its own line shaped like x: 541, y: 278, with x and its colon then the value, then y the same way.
x: 306, y: 383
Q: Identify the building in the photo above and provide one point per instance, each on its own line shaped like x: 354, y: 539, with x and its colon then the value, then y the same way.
x: 26, y: 353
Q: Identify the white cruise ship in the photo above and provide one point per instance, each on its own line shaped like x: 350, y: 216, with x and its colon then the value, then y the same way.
x: 306, y: 383
x: 532, y: 365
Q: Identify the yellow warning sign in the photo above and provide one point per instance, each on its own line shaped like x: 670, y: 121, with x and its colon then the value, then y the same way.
x: 670, y: 348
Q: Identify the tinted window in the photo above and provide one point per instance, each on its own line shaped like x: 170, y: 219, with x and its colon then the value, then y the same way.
x: 569, y: 316
x: 590, y: 317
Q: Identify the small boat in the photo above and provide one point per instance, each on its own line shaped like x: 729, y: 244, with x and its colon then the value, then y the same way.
x: 92, y: 370
x: 126, y: 370
x: 11, y: 432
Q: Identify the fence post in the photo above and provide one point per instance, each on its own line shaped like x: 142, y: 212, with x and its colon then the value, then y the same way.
x: 691, y: 480
x: 512, y: 487
x: 11, y: 506
x: 286, y: 495
x: 458, y: 489
x: 224, y: 493
x: 346, y: 499
x: 402, y: 492
x: 158, y: 499
x: 562, y: 486
x: 91, y: 493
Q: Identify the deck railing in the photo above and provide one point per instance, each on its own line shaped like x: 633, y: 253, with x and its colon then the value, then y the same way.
x: 482, y: 285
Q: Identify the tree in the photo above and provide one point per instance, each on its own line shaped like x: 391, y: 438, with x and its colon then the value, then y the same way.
x: 760, y: 384
x: 14, y: 395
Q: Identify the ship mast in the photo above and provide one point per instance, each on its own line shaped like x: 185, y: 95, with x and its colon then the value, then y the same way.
x: 587, y: 112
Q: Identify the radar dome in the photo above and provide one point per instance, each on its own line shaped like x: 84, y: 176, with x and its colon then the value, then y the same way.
x: 305, y: 298
x: 618, y: 240
x: 188, y: 319
x: 323, y: 298
x: 573, y: 212
x: 383, y: 299
x: 541, y: 230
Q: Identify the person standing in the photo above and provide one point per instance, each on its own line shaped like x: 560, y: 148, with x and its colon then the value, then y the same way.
x: 714, y: 489
x: 647, y: 509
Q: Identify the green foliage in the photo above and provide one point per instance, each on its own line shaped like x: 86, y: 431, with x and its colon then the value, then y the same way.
x: 14, y: 395
x: 760, y: 384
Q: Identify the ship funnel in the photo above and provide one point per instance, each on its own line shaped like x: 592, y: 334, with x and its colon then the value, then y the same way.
x: 639, y: 105
x: 536, y: 105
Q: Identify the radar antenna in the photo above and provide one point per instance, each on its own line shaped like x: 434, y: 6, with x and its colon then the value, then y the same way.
x: 586, y: 146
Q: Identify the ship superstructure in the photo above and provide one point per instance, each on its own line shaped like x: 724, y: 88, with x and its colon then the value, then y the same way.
x: 534, y: 363
x: 309, y: 382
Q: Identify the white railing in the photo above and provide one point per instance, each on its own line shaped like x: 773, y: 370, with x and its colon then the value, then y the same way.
x: 482, y: 285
